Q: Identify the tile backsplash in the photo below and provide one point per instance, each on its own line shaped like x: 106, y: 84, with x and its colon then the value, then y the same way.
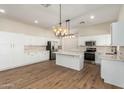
x: 101, y: 49
x: 29, y: 49
x: 122, y: 50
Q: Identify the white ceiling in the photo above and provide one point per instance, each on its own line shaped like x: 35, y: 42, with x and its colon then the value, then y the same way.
x: 49, y: 16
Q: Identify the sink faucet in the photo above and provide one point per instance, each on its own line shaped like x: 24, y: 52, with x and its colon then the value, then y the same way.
x: 114, y: 49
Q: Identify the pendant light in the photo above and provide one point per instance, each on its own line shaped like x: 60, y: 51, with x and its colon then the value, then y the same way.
x: 68, y: 34
x: 59, y: 30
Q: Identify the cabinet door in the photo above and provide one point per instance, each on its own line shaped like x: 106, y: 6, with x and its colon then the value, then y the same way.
x: 47, y: 55
x: 118, y: 33
x: 43, y: 41
x: 5, y: 51
x: 101, y: 40
x: 17, y: 41
x: 5, y: 56
x: 98, y: 58
x: 26, y: 40
x: 107, y: 40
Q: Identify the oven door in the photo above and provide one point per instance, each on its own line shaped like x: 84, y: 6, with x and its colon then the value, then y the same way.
x: 89, y: 56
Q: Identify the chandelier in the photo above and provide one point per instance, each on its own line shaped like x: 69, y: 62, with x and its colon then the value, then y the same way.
x: 59, y: 30
x: 69, y: 35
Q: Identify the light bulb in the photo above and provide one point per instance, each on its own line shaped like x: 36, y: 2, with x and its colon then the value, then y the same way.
x: 65, y: 33
x: 55, y: 30
x: 73, y: 36
x: 60, y: 29
x: 65, y: 30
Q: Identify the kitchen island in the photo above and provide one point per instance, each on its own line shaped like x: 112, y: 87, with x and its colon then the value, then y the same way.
x: 112, y: 69
x: 70, y: 59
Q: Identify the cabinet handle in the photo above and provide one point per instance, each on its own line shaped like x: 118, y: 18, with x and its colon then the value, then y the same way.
x: 13, y: 45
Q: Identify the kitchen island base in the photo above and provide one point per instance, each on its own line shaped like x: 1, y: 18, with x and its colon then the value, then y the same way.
x: 75, y: 62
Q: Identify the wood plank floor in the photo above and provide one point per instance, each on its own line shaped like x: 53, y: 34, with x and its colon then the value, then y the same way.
x: 48, y: 75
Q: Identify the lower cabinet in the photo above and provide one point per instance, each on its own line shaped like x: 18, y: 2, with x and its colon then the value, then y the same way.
x: 12, y: 50
x: 12, y: 61
x: 98, y: 58
x: 35, y: 57
x: 112, y: 71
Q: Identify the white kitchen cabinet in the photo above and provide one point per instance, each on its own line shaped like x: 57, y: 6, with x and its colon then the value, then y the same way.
x: 18, y: 49
x: 35, y: 57
x: 33, y: 40
x: 43, y: 41
x: 38, y: 41
x: 70, y: 60
x: 118, y: 34
x: 28, y: 40
x: 45, y: 55
x: 98, y: 58
x: 101, y: 40
x: 12, y: 50
x: 81, y: 41
x: 58, y: 42
x: 112, y: 71
x: 5, y: 51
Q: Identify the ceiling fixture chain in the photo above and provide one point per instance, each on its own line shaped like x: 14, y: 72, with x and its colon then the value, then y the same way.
x: 60, y: 14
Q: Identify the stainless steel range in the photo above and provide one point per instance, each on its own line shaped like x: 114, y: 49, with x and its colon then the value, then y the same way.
x: 89, y: 54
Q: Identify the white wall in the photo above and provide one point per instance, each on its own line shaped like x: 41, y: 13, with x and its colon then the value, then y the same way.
x: 121, y: 15
x: 98, y: 29
x: 68, y: 44
x: 9, y: 25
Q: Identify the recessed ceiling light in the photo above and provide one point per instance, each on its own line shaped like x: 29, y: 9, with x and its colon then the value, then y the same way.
x: 36, y: 21
x: 92, y: 17
x: 2, y: 11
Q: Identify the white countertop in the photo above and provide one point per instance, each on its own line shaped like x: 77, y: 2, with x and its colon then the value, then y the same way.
x: 113, y: 57
x: 70, y: 53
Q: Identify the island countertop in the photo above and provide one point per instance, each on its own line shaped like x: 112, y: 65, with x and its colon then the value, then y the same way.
x: 73, y: 53
x: 113, y: 57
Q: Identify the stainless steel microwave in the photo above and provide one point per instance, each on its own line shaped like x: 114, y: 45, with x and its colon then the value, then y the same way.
x: 90, y: 43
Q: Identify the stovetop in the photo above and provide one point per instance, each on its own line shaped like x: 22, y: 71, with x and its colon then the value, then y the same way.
x: 90, y: 50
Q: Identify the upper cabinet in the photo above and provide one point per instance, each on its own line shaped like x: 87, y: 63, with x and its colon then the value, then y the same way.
x: 101, y: 40
x: 118, y: 34
x: 57, y: 41
x: 33, y: 40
